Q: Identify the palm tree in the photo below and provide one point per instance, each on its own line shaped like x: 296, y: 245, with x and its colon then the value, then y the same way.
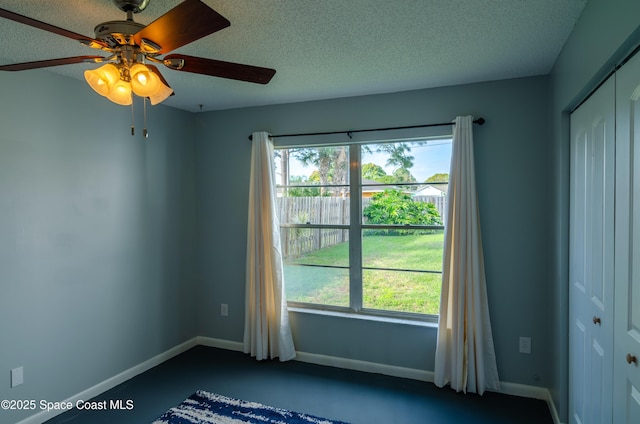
x: 331, y: 162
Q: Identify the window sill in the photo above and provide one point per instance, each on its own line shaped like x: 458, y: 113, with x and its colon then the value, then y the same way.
x: 365, y: 316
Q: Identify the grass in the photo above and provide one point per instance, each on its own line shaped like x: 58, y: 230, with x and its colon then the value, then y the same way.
x: 395, y: 290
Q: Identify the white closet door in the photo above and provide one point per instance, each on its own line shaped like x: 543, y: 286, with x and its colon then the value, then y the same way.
x: 592, y: 258
x: 627, y: 268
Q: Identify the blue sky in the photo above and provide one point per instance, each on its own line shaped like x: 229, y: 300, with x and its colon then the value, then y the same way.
x: 433, y: 158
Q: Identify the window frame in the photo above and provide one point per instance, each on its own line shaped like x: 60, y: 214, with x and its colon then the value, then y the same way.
x: 356, y: 227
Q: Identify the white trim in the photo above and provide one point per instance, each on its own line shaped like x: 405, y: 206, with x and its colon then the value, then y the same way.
x: 552, y: 409
x: 523, y: 390
x: 220, y: 343
x: 333, y: 361
x: 110, y: 383
x: 515, y: 389
x: 365, y: 366
x: 424, y: 321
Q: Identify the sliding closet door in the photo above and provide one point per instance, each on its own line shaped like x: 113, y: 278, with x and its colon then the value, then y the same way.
x: 592, y: 258
x: 627, y: 327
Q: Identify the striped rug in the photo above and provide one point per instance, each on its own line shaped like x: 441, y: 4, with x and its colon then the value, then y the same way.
x: 209, y: 408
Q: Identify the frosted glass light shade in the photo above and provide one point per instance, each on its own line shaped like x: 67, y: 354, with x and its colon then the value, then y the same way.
x: 121, y: 93
x: 102, y: 79
x: 144, y: 83
x: 161, y: 94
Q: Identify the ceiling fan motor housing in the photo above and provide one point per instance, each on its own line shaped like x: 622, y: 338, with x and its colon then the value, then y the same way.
x: 135, y: 6
x: 117, y: 33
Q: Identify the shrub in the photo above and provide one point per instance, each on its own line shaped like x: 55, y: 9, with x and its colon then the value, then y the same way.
x: 393, y: 207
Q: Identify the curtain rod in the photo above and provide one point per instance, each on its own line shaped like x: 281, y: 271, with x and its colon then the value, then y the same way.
x: 479, y: 121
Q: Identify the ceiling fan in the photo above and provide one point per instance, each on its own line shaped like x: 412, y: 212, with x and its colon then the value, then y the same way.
x: 131, y: 45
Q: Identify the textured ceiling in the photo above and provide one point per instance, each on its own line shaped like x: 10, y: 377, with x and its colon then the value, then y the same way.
x: 323, y: 48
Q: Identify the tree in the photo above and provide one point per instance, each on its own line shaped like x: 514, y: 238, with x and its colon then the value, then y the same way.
x: 331, y: 162
x: 373, y: 172
x: 301, y: 191
x: 438, y: 178
x: 284, y: 166
x: 314, y: 177
x: 396, y: 207
x: 403, y: 175
x: 398, y: 154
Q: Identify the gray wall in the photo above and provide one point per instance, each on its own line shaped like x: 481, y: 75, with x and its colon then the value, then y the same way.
x: 605, y: 33
x: 96, y: 236
x: 112, y: 250
x: 513, y: 176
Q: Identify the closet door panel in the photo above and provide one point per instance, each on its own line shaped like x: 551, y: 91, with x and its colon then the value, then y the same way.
x: 602, y: 220
x: 627, y: 244
x: 592, y: 257
x: 578, y: 348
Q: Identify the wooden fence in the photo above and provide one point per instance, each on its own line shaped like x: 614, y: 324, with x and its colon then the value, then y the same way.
x: 439, y: 201
x: 297, y: 242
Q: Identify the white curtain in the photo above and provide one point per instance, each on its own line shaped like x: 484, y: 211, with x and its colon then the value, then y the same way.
x: 267, y: 333
x: 465, y: 356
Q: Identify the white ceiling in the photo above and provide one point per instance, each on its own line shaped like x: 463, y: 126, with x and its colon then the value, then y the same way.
x: 323, y: 48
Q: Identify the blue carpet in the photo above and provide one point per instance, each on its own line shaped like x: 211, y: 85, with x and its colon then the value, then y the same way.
x: 209, y: 408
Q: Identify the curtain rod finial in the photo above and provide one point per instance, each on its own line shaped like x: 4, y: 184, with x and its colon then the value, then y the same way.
x: 480, y: 121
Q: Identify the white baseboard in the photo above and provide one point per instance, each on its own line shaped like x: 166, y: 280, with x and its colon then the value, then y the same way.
x: 515, y: 389
x: 533, y: 392
x: 332, y: 361
x: 220, y: 343
x: 365, y: 366
x: 110, y: 383
x: 552, y: 409
x: 312, y: 358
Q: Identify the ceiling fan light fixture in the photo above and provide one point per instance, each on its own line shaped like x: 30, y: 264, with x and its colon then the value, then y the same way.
x: 120, y: 93
x: 146, y: 83
x: 140, y: 80
x: 102, y: 79
x: 161, y: 94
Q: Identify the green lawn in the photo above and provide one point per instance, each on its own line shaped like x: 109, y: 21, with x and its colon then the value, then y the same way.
x: 396, y: 290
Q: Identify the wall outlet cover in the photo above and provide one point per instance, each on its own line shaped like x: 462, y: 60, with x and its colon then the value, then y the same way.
x: 17, y: 376
x: 525, y: 345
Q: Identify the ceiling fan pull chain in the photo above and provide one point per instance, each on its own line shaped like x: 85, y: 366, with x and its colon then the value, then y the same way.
x: 133, y: 128
x: 144, y: 108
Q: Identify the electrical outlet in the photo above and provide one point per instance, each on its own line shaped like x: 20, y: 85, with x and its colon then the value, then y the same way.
x: 224, y: 309
x: 17, y: 377
x: 525, y: 345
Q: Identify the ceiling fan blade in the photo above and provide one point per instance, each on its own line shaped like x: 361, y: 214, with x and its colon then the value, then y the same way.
x: 47, y: 27
x: 51, y: 62
x: 219, y: 68
x: 187, y: 22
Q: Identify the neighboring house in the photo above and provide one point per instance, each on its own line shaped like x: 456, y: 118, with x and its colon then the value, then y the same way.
x: 432, y: 190
x: 371, y: 187
x: 435, y: 193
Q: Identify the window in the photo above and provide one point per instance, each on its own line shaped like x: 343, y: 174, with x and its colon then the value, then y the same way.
x: 362, y: 225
